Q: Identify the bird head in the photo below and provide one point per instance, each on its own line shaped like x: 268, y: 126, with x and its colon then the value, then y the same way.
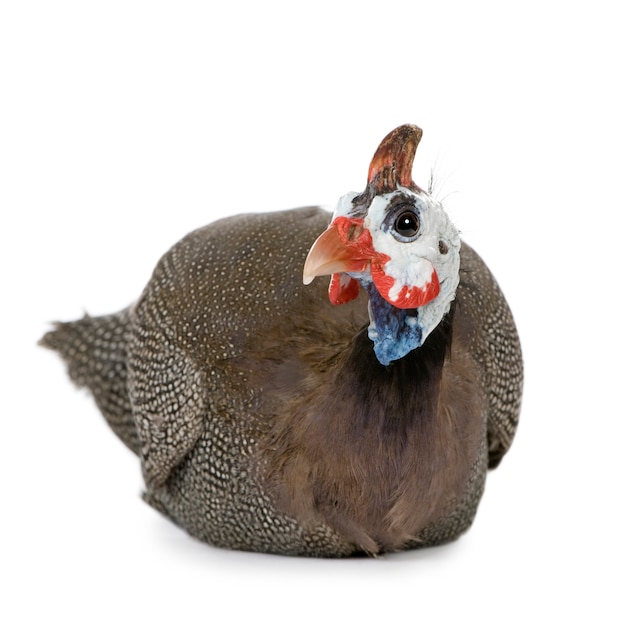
x: 398, y: 243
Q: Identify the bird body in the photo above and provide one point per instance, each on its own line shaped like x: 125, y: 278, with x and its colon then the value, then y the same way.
x: 263, y: 416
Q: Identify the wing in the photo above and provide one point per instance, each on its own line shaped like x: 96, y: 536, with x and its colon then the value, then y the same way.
x: 495, y: 345
x: 210, y: 296
x: 168, y: 397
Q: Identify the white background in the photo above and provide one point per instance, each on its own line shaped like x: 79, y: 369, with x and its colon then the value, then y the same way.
x: 123, y: 125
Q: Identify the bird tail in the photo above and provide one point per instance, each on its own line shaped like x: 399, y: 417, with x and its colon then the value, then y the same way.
x: 95, y: 351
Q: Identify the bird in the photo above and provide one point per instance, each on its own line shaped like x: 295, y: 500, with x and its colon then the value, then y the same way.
x: 276, y: 411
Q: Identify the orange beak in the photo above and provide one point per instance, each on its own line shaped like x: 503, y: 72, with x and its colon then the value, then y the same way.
x: 345, y: 246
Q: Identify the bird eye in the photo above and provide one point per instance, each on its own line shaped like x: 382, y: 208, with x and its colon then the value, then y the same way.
x: 407, y: 224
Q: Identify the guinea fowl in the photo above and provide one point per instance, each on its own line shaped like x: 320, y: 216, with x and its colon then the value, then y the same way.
x: 268, y: 418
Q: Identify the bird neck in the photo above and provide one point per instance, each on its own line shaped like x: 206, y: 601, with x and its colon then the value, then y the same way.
x: 399, y: 394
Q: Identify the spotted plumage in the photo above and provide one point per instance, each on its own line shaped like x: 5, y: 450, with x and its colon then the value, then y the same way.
x: 261, y: 414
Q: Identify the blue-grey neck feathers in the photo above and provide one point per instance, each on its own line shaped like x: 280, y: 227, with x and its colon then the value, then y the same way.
x: 394, y: 332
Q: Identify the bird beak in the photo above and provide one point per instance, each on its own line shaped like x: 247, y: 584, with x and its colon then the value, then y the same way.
x: 345, y: 246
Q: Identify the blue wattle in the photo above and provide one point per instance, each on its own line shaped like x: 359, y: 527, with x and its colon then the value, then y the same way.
x: 395, y: 332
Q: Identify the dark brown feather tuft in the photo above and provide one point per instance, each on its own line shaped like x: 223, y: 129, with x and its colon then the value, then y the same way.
x: 374, y: 454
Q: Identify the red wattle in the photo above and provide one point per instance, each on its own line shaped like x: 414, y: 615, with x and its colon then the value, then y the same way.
x: 342, y: 289
x: 358, y: 251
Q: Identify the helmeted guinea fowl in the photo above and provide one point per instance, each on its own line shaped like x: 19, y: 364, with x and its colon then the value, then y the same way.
x: 267, y: 418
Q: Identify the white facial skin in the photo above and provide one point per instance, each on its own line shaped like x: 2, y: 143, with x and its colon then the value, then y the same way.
x: 436, y: 245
